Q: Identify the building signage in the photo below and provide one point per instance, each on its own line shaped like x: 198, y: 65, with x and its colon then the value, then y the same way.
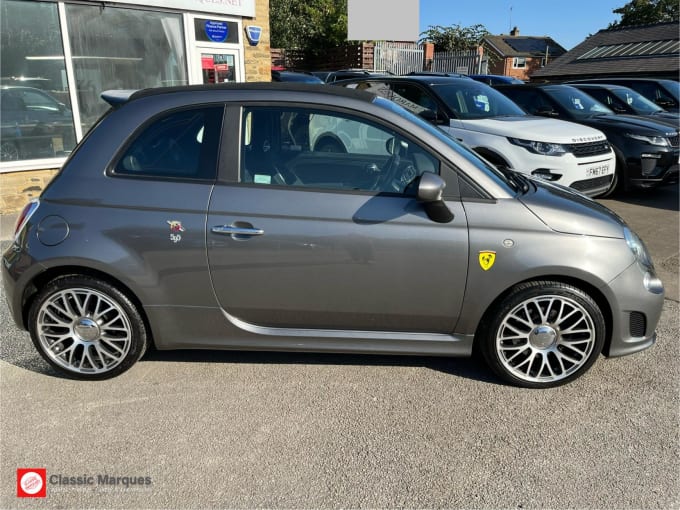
x: 228, y: 7
x: 216, y: 31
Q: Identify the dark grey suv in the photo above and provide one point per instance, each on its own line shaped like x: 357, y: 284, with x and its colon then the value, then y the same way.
x: 203, y: 217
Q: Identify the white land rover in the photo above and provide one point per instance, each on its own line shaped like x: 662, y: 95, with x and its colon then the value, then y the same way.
x: 500, y: 131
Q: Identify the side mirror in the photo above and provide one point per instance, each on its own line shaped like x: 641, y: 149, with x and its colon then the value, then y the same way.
x: 546, y: 111
x: 433, y: 117
x: 430, y: 191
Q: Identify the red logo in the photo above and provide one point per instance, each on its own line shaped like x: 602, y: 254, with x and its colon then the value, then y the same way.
x: 31, y: 482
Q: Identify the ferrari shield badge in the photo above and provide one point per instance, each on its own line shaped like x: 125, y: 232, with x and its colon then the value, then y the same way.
x: 486, y: 259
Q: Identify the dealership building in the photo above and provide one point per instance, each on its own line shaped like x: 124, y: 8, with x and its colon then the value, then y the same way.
x: 58, y: 56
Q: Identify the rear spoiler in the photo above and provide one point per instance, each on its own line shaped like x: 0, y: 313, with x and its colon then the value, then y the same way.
x: 117, y: 97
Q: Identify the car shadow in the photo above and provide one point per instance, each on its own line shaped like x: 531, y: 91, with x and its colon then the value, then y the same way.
x: 467, y: 368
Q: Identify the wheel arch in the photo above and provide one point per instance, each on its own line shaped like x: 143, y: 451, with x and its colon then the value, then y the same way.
x: 43, y: 278
x: 492, y: 156
x: 327, y: 136
x: 583, y: 285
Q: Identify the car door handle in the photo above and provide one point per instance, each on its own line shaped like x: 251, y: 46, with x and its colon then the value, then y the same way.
x: 237, y: 230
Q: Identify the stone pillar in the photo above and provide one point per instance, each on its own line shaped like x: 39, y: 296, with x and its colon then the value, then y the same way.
x: 258, y: 62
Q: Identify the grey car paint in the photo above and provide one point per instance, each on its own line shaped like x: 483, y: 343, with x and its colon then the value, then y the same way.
x: 347, y: 272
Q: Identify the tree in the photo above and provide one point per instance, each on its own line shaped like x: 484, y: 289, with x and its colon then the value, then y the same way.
x: 455, y: 37
x: 311, y: 25
x: 642, y: 12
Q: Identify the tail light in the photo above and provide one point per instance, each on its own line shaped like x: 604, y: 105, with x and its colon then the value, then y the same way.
x: 25, y: 215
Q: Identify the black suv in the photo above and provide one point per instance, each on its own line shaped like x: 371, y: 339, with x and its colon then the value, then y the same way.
x: 646, y: 150
x: 665, y: 93
x: 626, y: 100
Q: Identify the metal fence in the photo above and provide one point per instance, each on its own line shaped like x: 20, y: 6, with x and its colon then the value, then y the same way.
x: 397, y: 58
x: 402, y: 58
x: 461, y: 62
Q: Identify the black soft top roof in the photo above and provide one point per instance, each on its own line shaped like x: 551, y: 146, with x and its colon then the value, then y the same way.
x: 119, y: 97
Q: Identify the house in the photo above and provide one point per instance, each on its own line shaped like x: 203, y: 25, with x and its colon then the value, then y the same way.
x: 640, y: 51
x: 520, y: 56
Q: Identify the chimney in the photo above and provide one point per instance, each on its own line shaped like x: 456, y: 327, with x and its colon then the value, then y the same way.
x: 514, y: 32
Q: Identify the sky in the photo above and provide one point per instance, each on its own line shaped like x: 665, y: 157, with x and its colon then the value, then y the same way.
x: 568, y: 22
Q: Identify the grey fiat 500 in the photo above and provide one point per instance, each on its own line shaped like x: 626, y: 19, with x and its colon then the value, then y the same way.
x: 310, y: 218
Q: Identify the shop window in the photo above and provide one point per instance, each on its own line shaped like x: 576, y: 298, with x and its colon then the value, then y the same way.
x: 119, y: 48
x: 36, y: 116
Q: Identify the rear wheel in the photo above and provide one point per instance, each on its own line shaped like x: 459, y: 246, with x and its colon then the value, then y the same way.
x: 543, y: 334
x: 86, y: 328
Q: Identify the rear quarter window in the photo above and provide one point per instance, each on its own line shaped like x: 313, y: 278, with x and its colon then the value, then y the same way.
x: 182, y: 144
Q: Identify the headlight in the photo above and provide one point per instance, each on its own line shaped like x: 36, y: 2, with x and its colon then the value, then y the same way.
x: 659, y: 141
x: 638, y: 248
x: 544, y: 148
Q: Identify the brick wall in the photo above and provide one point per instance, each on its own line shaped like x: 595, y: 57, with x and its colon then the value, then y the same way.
x: 257, y: 58
x: 17, y: 188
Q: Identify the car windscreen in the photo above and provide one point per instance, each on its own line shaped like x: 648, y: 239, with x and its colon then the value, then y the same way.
x: 635, y: 100
x: 577, y: 103
x: 474, y: 100
x: 672, y: 87
x: 463, y: 150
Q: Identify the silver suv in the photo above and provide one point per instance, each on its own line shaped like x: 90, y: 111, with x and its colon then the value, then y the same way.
x: 203, y: 217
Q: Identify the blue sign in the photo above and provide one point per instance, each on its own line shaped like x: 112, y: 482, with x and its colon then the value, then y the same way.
x: 253, y: 32
x: 217, y: 31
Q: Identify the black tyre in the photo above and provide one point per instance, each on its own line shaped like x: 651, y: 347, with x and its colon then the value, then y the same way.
x: 86, y: 328
x: 617, y: 185
x: 543, y: 334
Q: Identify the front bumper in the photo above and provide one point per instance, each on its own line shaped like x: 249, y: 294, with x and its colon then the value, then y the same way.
x: 591, y: 175
x: 635, y: 311
x: 654, y: 168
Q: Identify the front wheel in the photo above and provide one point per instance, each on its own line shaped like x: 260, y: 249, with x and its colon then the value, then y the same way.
x: 86, y: 328
x: 543, y: 334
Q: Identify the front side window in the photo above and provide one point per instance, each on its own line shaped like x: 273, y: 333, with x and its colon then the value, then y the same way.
x: 179, y: 145
x: 327, y: 150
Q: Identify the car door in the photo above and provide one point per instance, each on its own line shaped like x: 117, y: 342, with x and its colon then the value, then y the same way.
x: 331, y: 240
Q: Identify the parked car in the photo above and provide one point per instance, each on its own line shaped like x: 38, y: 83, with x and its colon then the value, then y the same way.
x: 647, y: 151
x: 33, y: 124
x: 500, y: 131
x: 295, y: 77
x: 435, y: 73
x: 664, y: 93
x: 496, y: 79
x: 199, y: 217
x: 344, y: 74
x: 621, y: 99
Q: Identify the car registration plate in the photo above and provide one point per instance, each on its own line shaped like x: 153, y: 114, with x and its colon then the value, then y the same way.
x: 595, y: 171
